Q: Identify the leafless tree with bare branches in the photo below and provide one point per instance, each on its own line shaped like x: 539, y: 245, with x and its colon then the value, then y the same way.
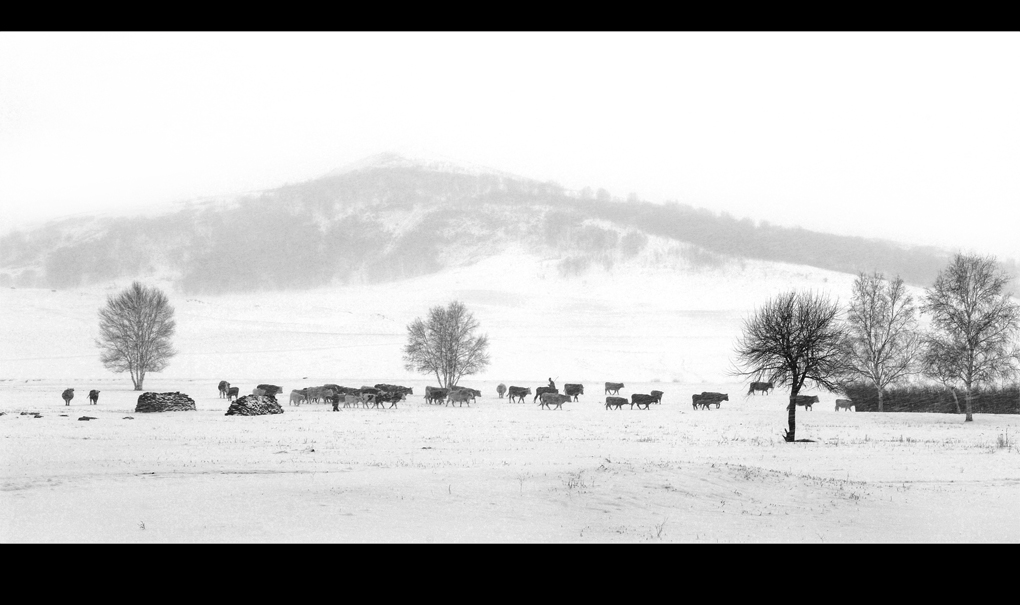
x: 883, y: 341
x: 135, y: 329
x: 975, y: 326
x: 446, y: 345
x: 795, y: 339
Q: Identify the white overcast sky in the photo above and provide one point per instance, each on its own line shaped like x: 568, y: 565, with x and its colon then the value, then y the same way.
x: 913, y: 137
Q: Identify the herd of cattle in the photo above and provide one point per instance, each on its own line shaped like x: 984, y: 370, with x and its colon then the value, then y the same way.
x: 375, y: 397
x: 546, y: 396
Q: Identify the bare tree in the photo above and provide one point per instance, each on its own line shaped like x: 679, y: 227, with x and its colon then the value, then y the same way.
x: 883, y: 342
x: 975, y: 326
x: 795, y: 339
x: 446, y: 345
x: 135, y: 329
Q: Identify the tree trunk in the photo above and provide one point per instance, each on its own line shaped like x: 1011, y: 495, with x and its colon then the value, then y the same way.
x: 791, y: 417
x: 880, y: 400
x: 967, y: 397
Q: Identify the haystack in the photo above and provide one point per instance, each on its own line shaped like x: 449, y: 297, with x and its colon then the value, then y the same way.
x: 165, y: 402
x: 254, y: 405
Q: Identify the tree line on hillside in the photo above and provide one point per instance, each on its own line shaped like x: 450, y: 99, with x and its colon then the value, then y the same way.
x: 973, y: 340
x: 390, y: 223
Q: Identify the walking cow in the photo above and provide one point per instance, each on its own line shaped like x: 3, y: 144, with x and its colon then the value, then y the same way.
x: 93, y: 396
x: 616, y: 402
x: 764, y: 387
x: 803, y: 400
x: 573, y: 390
x: 518, y: 393
x: 641, y: 399
x: 705, y: 399
x: 613, y: 388
x: 540, y: 390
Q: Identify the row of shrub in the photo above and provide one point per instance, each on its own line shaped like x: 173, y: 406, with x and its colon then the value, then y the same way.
x: 936, y: 399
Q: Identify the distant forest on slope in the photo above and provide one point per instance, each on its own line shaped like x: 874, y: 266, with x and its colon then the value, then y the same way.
x: 389, y: 223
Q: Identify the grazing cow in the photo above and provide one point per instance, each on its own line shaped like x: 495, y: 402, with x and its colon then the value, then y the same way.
x: 764, y: 387
x: 500, y: 390
x: 804, y: 400
x: 224, y: 387
x: 640, y: 399
x: 705, y: 399
x: 616, y: 402
x: 296, y: 397
x: 613, y: 387
x: 573, y: 390
x: 93, y: 396
x: 460, y: 396
x: 540, y: 390
x: 657, y: 396
x: 553, y: 399
x: 845, y: 404
x: 519, y: 392
x: 232, y: 393
x: 68, y: 395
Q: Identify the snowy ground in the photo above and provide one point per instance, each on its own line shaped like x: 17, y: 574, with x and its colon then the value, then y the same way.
x: 491, y: 472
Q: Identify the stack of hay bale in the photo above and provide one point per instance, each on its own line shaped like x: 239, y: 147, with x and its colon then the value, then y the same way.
x: 254, y: 405
x: 165, y: 402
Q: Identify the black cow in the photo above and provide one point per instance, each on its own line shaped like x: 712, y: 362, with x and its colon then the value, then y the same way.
x: 705, y: 399
x: 518, y: 393
x: 540, y: 390
x: 573, y: 390
x: 640, y: 399
x: 270, y: 390
x: 617, y: 402
x: 657, y: 396
x: 93, y: 396
x: 764, y: 387
x: 613, y: 387
x: 224, y: 387
x: 804, y: 400
x: 68, y: 395
x: 844, y: 404
x: 436, y: 395
x: 553, y: 399
x: 232, y: 393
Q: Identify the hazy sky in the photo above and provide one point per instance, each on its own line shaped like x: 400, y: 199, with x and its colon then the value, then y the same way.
x: 907, y: 136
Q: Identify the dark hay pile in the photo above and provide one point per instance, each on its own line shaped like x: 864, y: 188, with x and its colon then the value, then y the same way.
x: 165, y: 402
x: 254, y: 405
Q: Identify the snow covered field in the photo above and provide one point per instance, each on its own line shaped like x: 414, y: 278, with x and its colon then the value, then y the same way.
x: 491, y: 472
